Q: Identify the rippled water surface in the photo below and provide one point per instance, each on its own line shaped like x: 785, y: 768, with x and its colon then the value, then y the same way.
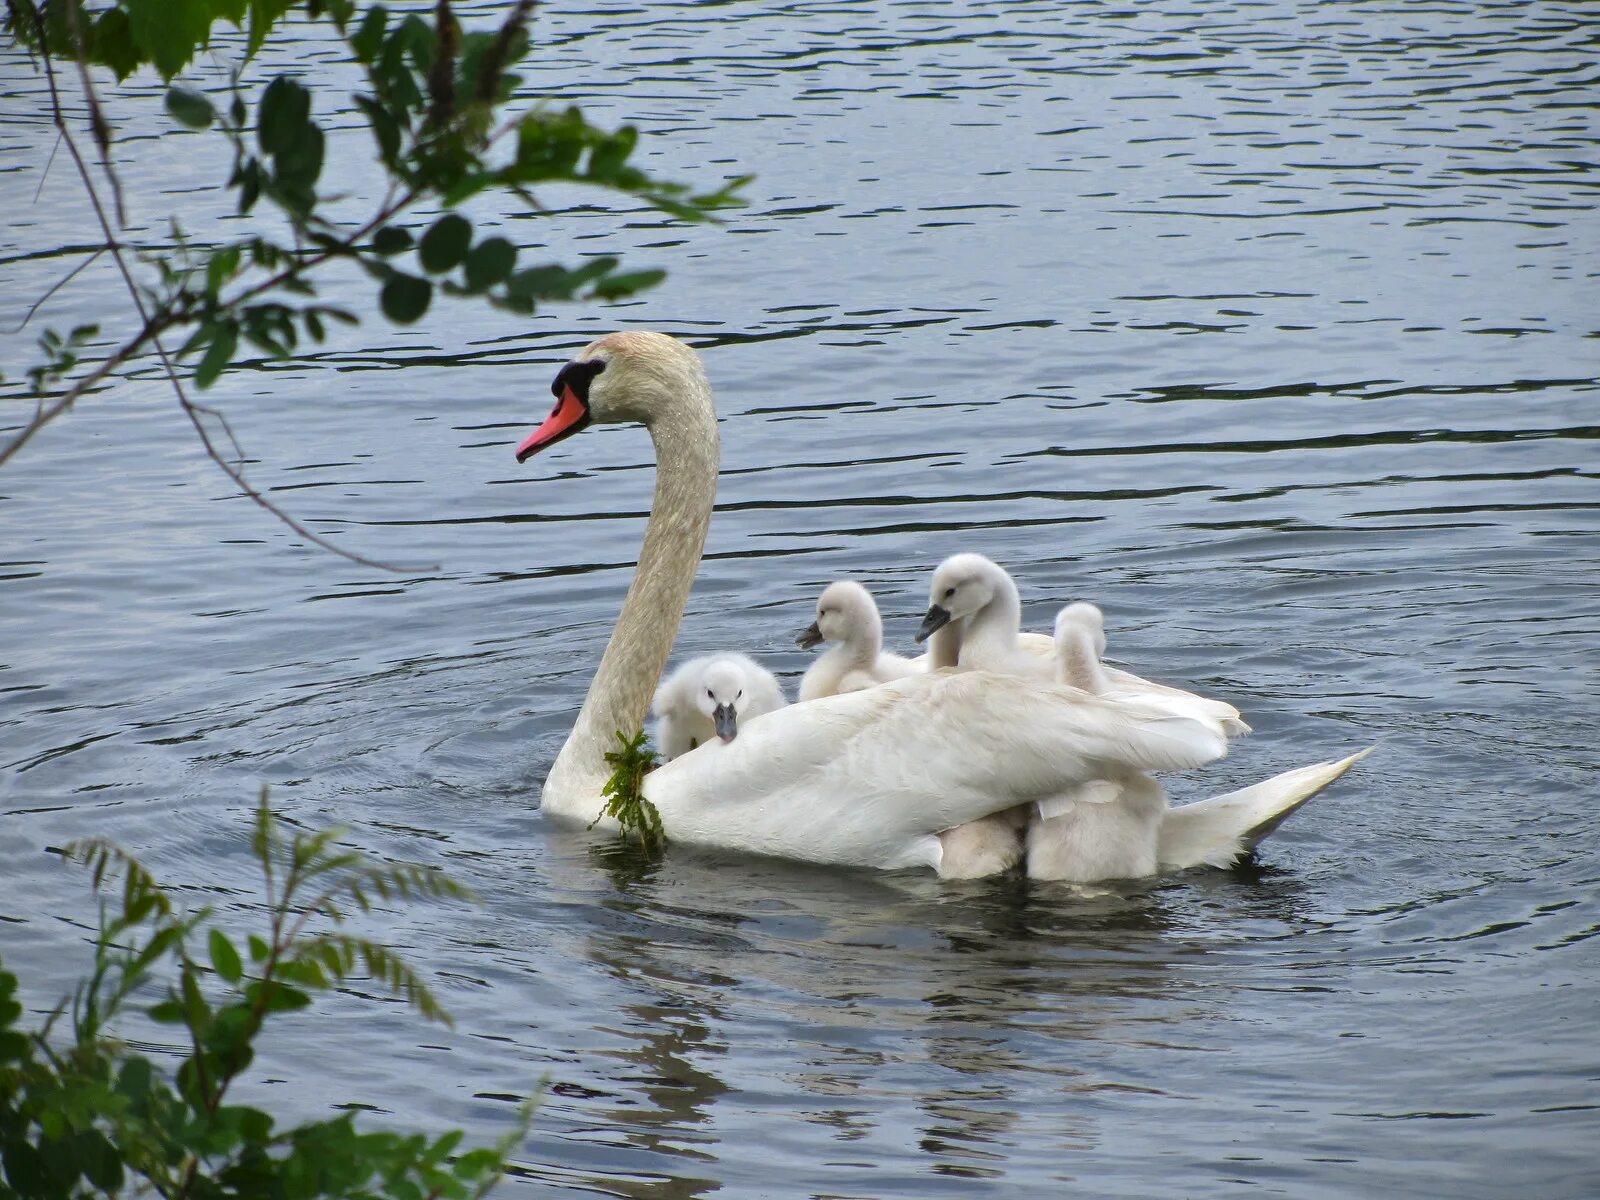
x: 1270, y: 327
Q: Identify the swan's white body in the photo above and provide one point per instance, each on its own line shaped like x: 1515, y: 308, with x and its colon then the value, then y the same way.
x: 870, y: 778
x: 686, y: 704
x: 848, y: 617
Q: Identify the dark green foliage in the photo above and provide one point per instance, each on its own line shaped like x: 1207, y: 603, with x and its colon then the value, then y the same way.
x: 624, y: 792
x: 61, y: 354
x: 190, y: 108
x: 83, y: 1115
x: 434, y: 96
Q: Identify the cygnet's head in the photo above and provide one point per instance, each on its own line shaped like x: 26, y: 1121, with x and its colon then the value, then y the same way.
x: 720, y: 696
x: 628, y: 376
x: 962, y: 584
x: 1082, y: 619
x: 845, y: 611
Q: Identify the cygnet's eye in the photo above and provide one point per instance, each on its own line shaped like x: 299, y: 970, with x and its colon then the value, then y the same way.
x: 948, y: 592
x: 739, y: 694
x: 710, y: 693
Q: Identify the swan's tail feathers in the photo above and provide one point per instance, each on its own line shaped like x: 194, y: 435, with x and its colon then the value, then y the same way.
x: 1217, y: 831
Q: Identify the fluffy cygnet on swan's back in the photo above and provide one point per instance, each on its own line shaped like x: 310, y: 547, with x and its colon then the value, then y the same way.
x: 978, y: 595
x: 708, y: 697
x: 847, y: 616
x: 1080, y: 646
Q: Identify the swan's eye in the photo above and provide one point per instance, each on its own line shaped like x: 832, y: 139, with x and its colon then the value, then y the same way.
x: 739, y: 695
x: 948, y: 592
x: 710, y: 693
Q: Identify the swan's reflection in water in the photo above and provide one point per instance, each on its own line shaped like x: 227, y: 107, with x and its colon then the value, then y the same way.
x: 919, y: 1027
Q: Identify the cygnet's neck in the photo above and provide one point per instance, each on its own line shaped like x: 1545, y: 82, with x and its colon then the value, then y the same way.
x: 989, y: 641
x: 865, y: 642
x: 683, y: 427
x: 1079, y: 664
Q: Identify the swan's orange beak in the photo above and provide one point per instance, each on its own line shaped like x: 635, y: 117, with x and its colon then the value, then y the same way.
x: 569, y: 415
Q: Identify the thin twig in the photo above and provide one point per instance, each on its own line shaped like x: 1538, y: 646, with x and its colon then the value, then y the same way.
x: 44, y: 415
x: 56, y: 287
x: 98, y: 124
x: 45, y: 174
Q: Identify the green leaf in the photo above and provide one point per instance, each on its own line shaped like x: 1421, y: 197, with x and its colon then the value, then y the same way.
x: 25, y: 1170
x: 113, y: 46
x: 385, y: 128
x: 391, y: 240
x: 217, y: 356
x: 285, y: 111
x: 135, y: 1080
x: 168, y: 1012
x: 275, y: 997
x: 445, y: 244
x: 624, y: 792
x: 196, y: 1012
x: 405, y: 298
x: 169, y: 32
x: 13, y: 1047
x: 224, y: 958
x: 100, y: 1161
x: 221, y: 268
x: 614, y: 287
x: 263, y: 15
x: 258, y: 949
x: 542, y: 283
x: 368, y: 40
x: 490, y: 261
x: 190, y: 108
x: 302, y: 162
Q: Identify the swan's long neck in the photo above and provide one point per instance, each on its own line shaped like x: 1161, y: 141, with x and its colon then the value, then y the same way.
x: 684, y: 430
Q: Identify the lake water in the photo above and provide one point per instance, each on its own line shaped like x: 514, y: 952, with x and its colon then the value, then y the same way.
x: 1271, y: 327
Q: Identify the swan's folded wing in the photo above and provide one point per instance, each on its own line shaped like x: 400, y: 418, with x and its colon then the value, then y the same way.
x: 865, y: 777
x: 1126, y: 683
x: 1040, y: 645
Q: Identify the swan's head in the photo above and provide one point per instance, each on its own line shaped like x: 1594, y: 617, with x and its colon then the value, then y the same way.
x: 629, y: 376
x: 962, y: 585
x: 845, y: 611
x: 720, y: 696
x: 1082, y: 620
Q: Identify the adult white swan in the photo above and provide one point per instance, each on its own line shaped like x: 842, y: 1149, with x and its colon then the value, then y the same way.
x: 868, y: 778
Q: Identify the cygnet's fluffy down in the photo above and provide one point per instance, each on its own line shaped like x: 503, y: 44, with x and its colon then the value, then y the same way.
x: 848, y: 617
x: 977, y: 596
x: 1080, y: 646
x: 709, y: 697
x: 1110, y: 828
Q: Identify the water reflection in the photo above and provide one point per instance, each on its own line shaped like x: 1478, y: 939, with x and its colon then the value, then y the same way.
x: 886, y: 1009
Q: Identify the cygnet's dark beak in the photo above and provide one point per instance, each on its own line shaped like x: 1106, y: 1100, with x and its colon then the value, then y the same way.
x: 726, y: 721
x: 810, y: 636
x: 936, y: 620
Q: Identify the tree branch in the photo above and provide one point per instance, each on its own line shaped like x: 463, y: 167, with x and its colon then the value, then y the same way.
x: 151, y: 332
